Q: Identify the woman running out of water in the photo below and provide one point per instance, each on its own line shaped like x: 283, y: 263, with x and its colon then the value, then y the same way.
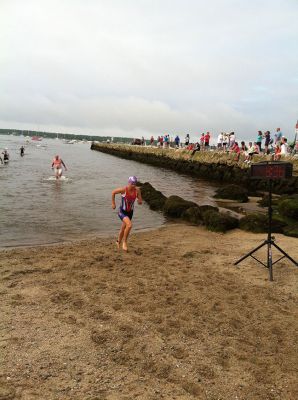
x: 57, y: 165
x: 129, y: 194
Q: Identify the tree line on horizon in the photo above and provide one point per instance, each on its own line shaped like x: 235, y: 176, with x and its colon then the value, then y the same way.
x: 67, y: 136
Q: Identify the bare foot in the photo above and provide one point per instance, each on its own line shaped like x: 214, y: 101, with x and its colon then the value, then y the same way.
x: 118, y: 244
x: 124, y: 246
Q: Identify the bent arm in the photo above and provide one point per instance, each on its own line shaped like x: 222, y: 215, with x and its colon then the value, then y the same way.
x: 114, y: 192
x: 63, y: 164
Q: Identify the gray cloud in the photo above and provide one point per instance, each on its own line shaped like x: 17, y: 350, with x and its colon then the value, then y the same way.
x: 146, y: 66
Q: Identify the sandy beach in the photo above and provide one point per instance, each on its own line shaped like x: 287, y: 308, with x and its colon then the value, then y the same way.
x: 172, y: 319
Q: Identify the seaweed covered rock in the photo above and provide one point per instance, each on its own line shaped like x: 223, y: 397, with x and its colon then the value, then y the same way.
x: 264, y: 201
x: 153, y: 197
x: 175, y: 206
x: 258, y: 223
x: 232, y: 192
x: 291, y: 230
x: 288, y: 207
x: 207, y: 207
x: 193, y: 215
x: 219, y: 222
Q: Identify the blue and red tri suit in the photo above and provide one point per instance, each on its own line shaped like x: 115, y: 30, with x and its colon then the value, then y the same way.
x: 127, y: 204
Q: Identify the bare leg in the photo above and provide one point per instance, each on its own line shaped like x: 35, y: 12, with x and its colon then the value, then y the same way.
x: 121, y: 233
x: 127, y: 229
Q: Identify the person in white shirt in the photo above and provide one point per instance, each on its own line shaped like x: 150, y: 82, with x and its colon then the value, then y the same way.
x: 219, y: 141
x: 225, y: 141
x: 284, y: 147
x: 232, y: 139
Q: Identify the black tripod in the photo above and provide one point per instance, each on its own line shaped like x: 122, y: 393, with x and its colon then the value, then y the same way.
x: 269, y: 242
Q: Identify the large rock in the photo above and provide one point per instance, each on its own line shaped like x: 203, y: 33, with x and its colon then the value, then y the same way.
x: 291, y: 230
x: 193, y: 215
x: 175, y: 206
x: 207, y: 207
x: 153, y: 197
x: 258, y: 223
x: 288, y: 207
x: 232, y: 192
x: 219, y: 222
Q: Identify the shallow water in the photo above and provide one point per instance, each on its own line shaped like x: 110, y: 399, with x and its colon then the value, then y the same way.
x: 35, y: 209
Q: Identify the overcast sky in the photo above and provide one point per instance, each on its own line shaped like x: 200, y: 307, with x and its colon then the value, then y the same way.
x: 142, y: 67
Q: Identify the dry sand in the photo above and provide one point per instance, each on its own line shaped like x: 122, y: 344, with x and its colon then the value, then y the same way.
x: 172, y: 319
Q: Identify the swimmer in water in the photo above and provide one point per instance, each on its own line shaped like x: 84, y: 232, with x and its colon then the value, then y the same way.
x: 129, y: 194
x: 57, y: 165
x: 22, y: 151
x: 5, y: 156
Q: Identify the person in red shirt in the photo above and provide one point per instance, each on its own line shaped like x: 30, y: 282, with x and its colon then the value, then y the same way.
x: 207, y: 140
x: 236, y: 149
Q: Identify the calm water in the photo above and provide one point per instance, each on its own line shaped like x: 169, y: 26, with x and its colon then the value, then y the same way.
x: 35, y: 209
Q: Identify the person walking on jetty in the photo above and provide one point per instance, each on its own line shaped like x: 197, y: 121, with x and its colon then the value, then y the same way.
x: 57, y: 165
x: 129, y: 194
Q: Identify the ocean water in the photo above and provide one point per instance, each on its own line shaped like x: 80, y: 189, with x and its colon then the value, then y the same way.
x: 35, y: 209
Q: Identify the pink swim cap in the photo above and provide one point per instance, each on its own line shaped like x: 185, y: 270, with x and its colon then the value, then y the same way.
x: 133, y: 180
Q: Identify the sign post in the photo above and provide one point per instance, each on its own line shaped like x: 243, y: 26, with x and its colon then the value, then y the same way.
x: 270, y: 170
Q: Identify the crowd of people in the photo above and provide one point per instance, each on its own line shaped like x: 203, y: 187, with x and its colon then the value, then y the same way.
x: 265, y: 143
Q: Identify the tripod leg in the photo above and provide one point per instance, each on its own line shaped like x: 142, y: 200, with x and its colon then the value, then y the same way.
x: 251, y: 252
x: 269, y: 261
x: 285, y: 254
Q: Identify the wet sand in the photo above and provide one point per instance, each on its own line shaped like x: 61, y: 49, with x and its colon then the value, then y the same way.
x: 171, y: 319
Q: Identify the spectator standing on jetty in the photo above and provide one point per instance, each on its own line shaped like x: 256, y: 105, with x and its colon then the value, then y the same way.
x: 166, y: 141
x: 219, y: 141
x: 284, y: 148
x: 232, y: 139
x: 259, y: 140
x: 225, y: 141
x: 277, y: 136
x: 202, y: 140
x: 187, y: 139
x: 267, y: 141
x: 151, y: 141
x: 177, y: 141
x: 129, y: 194
x: 207, y: 140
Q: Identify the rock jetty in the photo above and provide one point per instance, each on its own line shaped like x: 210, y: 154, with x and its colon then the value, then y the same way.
x: 209, y: 165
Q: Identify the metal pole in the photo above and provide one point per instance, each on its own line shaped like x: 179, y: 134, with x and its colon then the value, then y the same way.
x: 269, y: 240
